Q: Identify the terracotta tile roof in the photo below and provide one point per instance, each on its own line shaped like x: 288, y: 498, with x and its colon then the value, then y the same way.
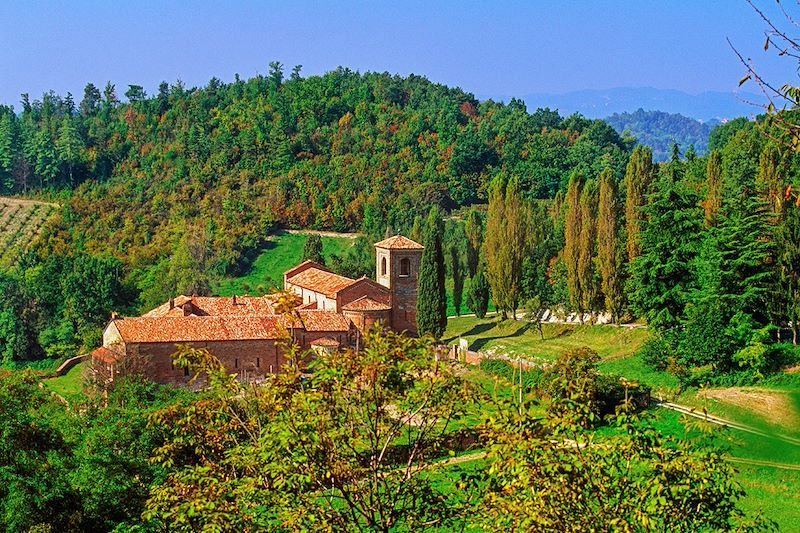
x: 309, y: 305
x: 217, y: 306
x: 321, y: 281
x: 303, y: 266
x: 326, y: 341
x: 398, y: 242
x: 365, y: 303
x: 197, y: 329
x: 105, y: 355
x: 324, y: 321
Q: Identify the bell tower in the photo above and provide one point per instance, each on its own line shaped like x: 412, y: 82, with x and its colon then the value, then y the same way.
x: 397, y: 268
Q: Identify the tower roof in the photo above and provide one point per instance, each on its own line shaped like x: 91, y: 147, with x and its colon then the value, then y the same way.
x: 398, y: 242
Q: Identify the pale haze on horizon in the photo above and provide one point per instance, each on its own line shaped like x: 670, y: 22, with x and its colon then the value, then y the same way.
x: 497, y: 49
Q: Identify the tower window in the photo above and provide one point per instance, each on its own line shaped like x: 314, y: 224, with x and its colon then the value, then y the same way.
x: 405, y: 267
x: 383, y: 266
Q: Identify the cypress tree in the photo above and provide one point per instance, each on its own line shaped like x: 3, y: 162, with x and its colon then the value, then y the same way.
x: 478, y: 297
x: 431, y: 297
x: 609, y: 252
x: 639, y: 175
x: 713, y: 201
x: 458, y: 278
x: 312, y: 250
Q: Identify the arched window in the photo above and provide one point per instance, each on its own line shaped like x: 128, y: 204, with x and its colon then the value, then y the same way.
x: 383, y: 266
x: 405, y: 267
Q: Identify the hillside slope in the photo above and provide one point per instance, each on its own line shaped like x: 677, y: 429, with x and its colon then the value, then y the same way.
x: 660, y: 130
x: 21, y: 223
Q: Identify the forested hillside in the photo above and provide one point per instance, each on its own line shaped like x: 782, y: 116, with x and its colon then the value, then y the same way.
x: 660, y: 131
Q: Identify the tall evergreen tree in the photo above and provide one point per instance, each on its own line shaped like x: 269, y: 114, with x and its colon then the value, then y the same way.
x: 46, y: 165
x: 609, y: 251
x: 458, y: 278
x: 714, y: 185
x: 312, y: 249
x: 638, y: 177
x: 7, y: 152
x: 479, y: 293
x: 788, y: 261
x: 663, y: 276
x: 431, y: 296
x: 69, y: 147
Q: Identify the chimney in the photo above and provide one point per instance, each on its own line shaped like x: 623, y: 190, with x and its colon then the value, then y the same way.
x: 172, y: 303
x: 114, y: 315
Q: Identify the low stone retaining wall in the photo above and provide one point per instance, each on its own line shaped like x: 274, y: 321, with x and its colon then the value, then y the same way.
x: 69, y: 364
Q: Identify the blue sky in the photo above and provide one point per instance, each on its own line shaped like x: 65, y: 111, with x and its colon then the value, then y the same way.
x: 491, y: 48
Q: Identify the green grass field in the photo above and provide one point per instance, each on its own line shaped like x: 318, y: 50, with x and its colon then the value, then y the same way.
x: 281, y: 253
x: 70, y: 385
x: 520, y: 338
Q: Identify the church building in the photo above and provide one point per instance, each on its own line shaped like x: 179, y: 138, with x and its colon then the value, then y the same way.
x: 246, y: 332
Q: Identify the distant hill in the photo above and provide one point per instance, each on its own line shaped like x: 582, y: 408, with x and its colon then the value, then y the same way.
x: 659, y: 130
x: 602, y: 103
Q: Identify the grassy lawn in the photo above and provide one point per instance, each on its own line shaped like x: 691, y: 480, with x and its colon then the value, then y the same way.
x: 278, y: 256
x: 520, y: 338
x: 69, y: 385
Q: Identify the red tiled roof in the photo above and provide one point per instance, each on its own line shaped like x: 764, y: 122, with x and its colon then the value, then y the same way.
x: 197, y: 329
x: 321, y: 281
x: 365, y: 303
x: 398, y: 242
x: 326, y: 341
x: 217, y: 306
x: 105, y: 355
x: 324, y: 321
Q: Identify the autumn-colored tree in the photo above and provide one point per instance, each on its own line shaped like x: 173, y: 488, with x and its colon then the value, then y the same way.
x: 638, y: 176
x: 714, y: 193
x: 572, y: 232
x: 505, y: 244
x: 769, y: 180
x: 587, y: 250
x: 609, y: 250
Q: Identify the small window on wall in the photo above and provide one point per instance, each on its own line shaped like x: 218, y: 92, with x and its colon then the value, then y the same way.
x: 383, y: 266
x: 405, y: 267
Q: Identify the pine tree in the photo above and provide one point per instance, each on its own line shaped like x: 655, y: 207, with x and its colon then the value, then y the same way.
x: 431, y: 296
x: 713, y: 201
x: 787, y: 241
x: 663, y: 277
x: 478, y: 297
x: 458, y: 278
x: 609, y: 251
x: 69, y: 147
x: 587, y: 242
x: 312, y: 249
x: 7, y: 152
x: 416, y: 230
x: 572, y: 232
x: 638, y: 177
x: 46, y: 165
x: 473, y: 227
